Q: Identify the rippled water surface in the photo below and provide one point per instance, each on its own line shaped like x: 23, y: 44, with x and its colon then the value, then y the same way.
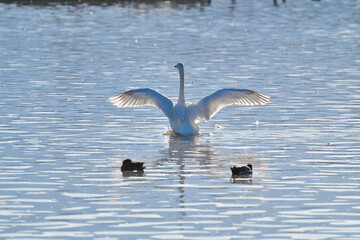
x: 62, y: 143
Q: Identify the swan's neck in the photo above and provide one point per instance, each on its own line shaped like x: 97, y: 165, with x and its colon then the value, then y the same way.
x: 181, y: 93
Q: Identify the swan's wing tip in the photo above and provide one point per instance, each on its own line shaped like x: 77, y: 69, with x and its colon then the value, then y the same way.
x: 250, y: 98
x: 207, y: 107
x: 115, y: 100
x: 133, y: 98
x: 262, y: 99
x: 112, y: 99
x: 142, y: 97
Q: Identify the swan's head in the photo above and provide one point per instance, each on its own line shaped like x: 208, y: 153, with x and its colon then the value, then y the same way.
x: 179, y: 66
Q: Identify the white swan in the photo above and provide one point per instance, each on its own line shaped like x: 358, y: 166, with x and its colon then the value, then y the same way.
x: 184, y: 119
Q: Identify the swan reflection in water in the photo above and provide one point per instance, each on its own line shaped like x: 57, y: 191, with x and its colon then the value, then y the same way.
x: 182, y: 147
x: 191, y: 160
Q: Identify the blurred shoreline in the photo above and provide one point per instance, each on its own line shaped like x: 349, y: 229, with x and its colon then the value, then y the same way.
x: 156, y: 3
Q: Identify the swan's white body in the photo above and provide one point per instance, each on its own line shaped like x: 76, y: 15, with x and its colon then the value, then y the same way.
x: 184, y: 119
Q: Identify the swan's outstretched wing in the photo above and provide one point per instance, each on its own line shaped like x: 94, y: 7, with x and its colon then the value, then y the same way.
x: 142, y: 97
x: 207, y: 107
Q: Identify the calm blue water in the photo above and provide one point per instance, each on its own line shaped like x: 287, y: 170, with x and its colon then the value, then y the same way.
x: 62, y: 143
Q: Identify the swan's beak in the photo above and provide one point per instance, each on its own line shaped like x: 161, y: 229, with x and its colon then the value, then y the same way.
x: 175, y: 66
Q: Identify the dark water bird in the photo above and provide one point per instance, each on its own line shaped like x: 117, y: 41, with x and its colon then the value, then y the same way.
x: 130, y: 165
x: 243, y: 170
x: 184, y: 119
x: 276, y: 4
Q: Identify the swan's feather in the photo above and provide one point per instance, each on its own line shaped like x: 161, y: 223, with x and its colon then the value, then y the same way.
x: 207, y: 107
x: 142, y: 97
